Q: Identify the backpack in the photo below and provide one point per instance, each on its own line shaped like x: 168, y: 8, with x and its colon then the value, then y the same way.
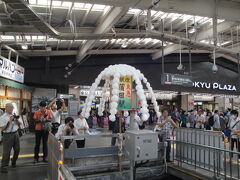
x: 211, y: 121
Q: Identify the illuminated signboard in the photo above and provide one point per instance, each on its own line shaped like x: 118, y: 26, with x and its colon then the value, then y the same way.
x: 11, y: 70
x: 176, y: 79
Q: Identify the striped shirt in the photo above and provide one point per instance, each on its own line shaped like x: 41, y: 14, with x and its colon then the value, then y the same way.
x: 167, y: 128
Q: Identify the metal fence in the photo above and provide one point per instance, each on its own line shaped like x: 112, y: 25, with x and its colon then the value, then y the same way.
x: 205, y: 151
x: 55, y: 156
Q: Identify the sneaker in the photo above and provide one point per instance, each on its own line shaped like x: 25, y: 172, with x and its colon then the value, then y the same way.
x: 4, y: 170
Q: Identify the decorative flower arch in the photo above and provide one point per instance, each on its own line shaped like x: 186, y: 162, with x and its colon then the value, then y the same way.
x: 111, y: 76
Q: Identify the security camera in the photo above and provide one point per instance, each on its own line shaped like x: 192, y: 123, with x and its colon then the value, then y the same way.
x: 180, y: 67
x: 214, y: 68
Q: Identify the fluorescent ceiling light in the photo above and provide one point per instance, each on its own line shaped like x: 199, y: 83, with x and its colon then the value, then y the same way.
x: 220, y: 20
x: 153, y: 12
x: 41, y: 37
x: 56, y: 3
x: 28, y: 38
x: 76, y: 87
x: 78, y: 5
x: 164, y: 15
x: 147, y: 40
x: 32, y: 2
x: 24, y: 46
x: 66, y: 4
x: 98, y: 7
x: 6, y: 37
x: 88, y: 6
x: 192, y: 30
x: 224, y: 43
x: 133, y: 11
x: 186, y: 17
x: 43, y: 2
x: 34, y: 37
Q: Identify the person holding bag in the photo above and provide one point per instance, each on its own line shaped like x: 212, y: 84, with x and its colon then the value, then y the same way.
x: 42, y: 128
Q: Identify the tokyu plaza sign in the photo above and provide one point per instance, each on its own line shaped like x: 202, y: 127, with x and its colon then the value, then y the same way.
x: 216, y: 86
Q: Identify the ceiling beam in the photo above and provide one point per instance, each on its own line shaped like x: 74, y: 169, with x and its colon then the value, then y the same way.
x: 34, y: 53
x: 108, y: 22
x: 204, y: 34
x: 228, y: 10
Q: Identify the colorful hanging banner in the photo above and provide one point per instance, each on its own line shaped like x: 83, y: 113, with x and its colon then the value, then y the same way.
x: 125, y: 93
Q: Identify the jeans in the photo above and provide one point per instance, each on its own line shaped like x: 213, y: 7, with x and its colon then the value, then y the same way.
x: 38, y: 136
x: 80, y: 143
x: 10, y: 141
x: 113, y: 141
x: 168, y: 150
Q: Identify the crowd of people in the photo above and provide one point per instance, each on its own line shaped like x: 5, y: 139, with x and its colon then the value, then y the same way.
x: 48, y: 119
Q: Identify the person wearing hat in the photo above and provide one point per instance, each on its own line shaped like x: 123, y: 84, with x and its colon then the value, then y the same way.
x: 42, y: 118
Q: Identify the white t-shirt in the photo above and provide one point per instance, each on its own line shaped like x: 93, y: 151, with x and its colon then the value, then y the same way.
x: 199, y: 121
x: 235, y: 128
x: 81, y: 123
x: 61, y: 131
x: 137, y: 121
x: 13, y: 127
x: 216, y: 121
x: 56, y: 116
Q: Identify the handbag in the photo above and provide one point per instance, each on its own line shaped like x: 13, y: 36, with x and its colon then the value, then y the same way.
x: 46, y: 125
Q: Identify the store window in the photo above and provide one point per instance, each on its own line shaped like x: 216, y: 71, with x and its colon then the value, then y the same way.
x: 2, y: 90
x: 13, y: 92
x: 26, y: 95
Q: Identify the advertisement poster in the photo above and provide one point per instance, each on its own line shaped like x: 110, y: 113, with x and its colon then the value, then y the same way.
x: 11, y: 70
x: 125, y: 93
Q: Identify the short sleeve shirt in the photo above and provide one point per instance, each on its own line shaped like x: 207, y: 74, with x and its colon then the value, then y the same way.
x: 38, y: 115
x: 13, y: 127
x: 56, y: 116
x: 167, y: 127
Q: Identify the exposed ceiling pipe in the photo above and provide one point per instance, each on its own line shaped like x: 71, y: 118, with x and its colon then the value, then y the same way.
x: 187, y: 42
x: 30, y: 16
x: 4, y: 46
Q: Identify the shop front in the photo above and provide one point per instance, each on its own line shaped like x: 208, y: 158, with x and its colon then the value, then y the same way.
x: 12, y: 89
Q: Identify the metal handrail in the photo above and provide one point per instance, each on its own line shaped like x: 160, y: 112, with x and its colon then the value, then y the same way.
x: 217, y: 161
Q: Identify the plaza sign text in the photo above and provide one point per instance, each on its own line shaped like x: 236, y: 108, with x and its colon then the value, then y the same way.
x: 214, y: 86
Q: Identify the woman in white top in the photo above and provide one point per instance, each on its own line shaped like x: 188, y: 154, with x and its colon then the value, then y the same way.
x: 234, y: 126
x: 82, y: 126
x: 56, y: 114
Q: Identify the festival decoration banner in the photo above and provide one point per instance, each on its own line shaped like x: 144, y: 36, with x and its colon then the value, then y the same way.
x: 125, y: 93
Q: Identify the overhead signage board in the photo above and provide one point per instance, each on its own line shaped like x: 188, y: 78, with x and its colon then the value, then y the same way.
x: 11, y: 70
x: 222, y: 87
x: 66, y: 96
x: 84, y: 92
x: 125, y: 93
x: 176, y: 79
